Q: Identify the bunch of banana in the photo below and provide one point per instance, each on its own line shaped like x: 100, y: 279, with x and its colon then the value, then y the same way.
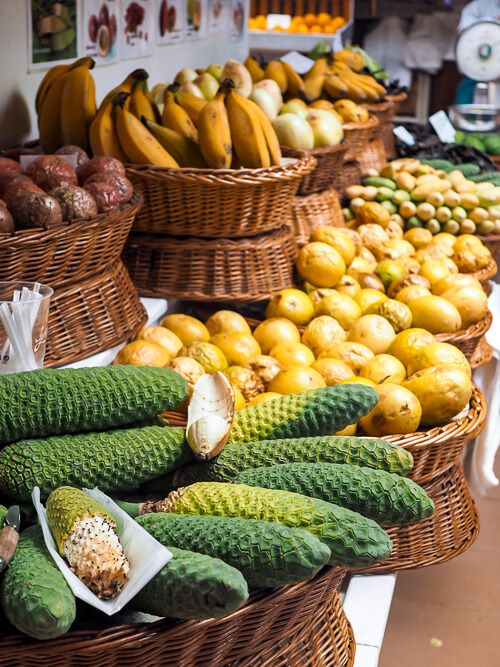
x: 175, y: 117
x: 66, y: 105
x: 288, y: 80
x: 256, y: 71
x: 344, y: 82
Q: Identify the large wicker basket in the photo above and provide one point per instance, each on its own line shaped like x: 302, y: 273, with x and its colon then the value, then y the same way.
x: 244, y: 269
x: 357, y: 137
x: 387, y: 134
x: 350, y: 175
x: 468, y: 339
x: 489, y: 271
x: 216, y: 203
x: 92, y: 316
x: 373, y: 157
x: 329, y: 161
x: 309, y: 213
x: 264, y: 624
x: 66, y: 255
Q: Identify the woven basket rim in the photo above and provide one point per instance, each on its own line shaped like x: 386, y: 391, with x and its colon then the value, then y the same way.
x: 384, y: 105
x: 38, y: 235
x: 398, y: 97
x: 239, y: 243
x: 363, y: 125
x: 489, y: 271
x: 314, y: 152
x: 474, y: 331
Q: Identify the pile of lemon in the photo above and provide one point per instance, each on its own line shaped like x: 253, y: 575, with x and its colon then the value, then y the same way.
x: 322, y: 23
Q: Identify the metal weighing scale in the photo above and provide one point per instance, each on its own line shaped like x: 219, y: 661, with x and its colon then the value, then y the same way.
x: 477, y: 54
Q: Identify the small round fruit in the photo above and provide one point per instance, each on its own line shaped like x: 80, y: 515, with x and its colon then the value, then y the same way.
x: 275, y: 330
x: 239, y: 399
x: 390, y: 270
x: 438, y: 354
x: 407, y: 209
x: 190, y: 370
x: 411, y: 292
x: 348, y: 285
x: 373, y: 331
x: 369, y: 300
x: 359, y: 380
x: 338, y: 239
x: 425, y: 211
x: 396, y: 313
x: 467, y: 242
x: 397, y: 411
x: 322, y: 332
x: 370, y: 193
x: 445, y: 239
x: 467, y: 226
x: 434, y: 270
x: 224, y: 321
x: 164, y: 337
x: 262, y: 398
x: 458, y: 213
x: 333, y: 371
x: 408, y: 342
x: 471, y: 303
x: 451, y: 227
x: 245, y: 380
x: 296, y: 378
x: 187, y: 328
x: 208, y: 355
x: 455, y: 280
x: 418, y: 237
x: 356, y: 203
x: 341, y: 307
x: 433, y: 225
x: 239, y: 349
x: 436, y: 199
x: 370, y: 281
x: 384, y: 368
x: 291, y: 354
x: 266, y: 367
x: 294, y: 304
x: 443, y: 392
x: 372, y: 212
x: 320, y: 264
x: 435, y: 314
x: 443, y: 214
x: 142, y: 353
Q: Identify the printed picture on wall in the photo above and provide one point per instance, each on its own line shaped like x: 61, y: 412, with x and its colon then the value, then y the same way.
x: 219, y: 15
x: 197, y: 18
x: 53, y: 29
x: 100, y: 30
x: 171, y: 21
x: 237, y: 20
x: 137, y: 28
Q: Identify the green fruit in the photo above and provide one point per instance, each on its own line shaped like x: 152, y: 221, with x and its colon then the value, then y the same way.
x: 433, y: 226
x: 400, y: 196
x: 413, y: 222
x: 379, y: 182
x: 384, y: 194
x: 390, y: 270
x: 492, y: 145
x: 348, y: 214
x: 451, y: 227
x: 458, y: 213
x: 390, y: 206
x: 474, y: 142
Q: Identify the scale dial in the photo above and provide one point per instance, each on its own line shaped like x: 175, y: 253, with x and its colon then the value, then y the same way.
x: 477, y: 51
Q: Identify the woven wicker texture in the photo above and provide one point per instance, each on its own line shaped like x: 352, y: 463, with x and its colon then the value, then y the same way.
x: 268, y: 619
x: 492, y: 242
x: 357, y: 136
x: 65, y: 255
x: 350, y: 175
x: 383, y: 111
x: 483, y: 354
x: 92, y: 316
x: 329, y: 161
x: 373, y: 157
x: 309, y: 213
x: 489, y: 271
x: 451, y: 530
x: 468, y: 339
x: 212, y: 270
x: 213, y: 203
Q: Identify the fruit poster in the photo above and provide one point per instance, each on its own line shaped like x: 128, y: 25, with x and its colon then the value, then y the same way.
x: 52, y: 32
x: 170, y: 21
x: 100, y: 30
x: 219, y: 13
x: 237, y: 22
x: 137, y: 28
x: 196, y: 18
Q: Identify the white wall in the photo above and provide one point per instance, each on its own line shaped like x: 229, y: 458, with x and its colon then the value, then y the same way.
x: 18, y: 87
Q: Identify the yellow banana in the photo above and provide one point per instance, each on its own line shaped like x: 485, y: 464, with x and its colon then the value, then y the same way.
x: 140, y: 104
x: 214, y: 134
x: 295, y: 83
x: 275, y: 70
x: 272, y: 143
x: 247, y: 134
x: 46, y: 82
x: 138, y: 143
x: 176, y: 118
x: 191, y: 104
x: 183, y: 150
x: 351, y: 58
x: 335, y: 86
x: 321, y: 66
x: 256, y: 71
x: 102, y: 133
x: 313, y: 87
x: 78, y: 106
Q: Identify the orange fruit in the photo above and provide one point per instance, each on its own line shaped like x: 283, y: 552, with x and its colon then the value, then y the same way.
x: 310, y: 19
x: 261, y: 22
x: 142, y: 353
x: 302, y: 28
x: 291, y: 354
x: 240, y: 349
x: 316, y: 28
x: 324, y: 18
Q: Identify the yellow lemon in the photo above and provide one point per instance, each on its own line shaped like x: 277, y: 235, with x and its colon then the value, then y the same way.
x: 437, y: 354
x: 164, y: 337
x: 435, y: 314
x: 408, y: 342
x: 471, y: 303
x: 369, y: 300
x: 208, y: 355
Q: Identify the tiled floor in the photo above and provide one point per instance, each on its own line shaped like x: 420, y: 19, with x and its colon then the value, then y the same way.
x: 449, y: 615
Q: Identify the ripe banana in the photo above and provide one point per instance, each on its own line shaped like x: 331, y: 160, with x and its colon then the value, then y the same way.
x: 214, y: 134
x: 273, y: 145
x: 183, y: 150
x: 46, y: 82
x: 313, y: 87
x: 78, y: 106
x: 295, y: 83
x: 126, y: 85
x: 137, y: 142
x: 247, y: 134
x: 256, y: 71
x: 191, y: 104
x: 176, y: 118
x: 276, y: 70
x: 140, y: 104
x: 335, y: 87
x: 321, y: 66
x: 102, y: 133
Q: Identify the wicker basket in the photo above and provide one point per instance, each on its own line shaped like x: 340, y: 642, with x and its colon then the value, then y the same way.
x: 357, y: 136
x: 483, y: 354
x: 329, y: 161
x: 350, y: 175
x: 383, y: 111
x: 451, y: 530
x: 309, y: 213
x: 387, y: 134
x: 215, y: 203
x: 92, y: 316
x: 68, y: 254
x: 373, y: 157
x: 268, y: 619
x: 468, y: 339
x: 489, y: 271
x: 212, y: 270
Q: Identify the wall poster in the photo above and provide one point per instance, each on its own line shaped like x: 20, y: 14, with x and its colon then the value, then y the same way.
x: 52, y: 32
x: 100, y: 30
x: 137, y: 28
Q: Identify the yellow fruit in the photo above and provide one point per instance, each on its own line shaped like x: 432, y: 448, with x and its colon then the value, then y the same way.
x: 246, y: 380
x: 348, y: 430
x: 190, y: 370
x: 224, y: 321
x: 397, y: 411
x: 384, y: 368
x: 437, y: 354
x: 408, y: 342
x: 467, y: 242
x: 348, y: 285
x: 266, y: 367
x: 294, y: 304
x: 396, y: 313
x: 262, y: 398
x: 296, y: 378
x: 239, y: 349
x: 275, y: 330
x: 187, y: 328
x: 167, y: 339
x: 239, y: 399
x: 338, y: 239
x: 291, y: 354
x: 443, y: 392
x: 435, y: 314
x: 341, y: 307
x: 453, y: 280
x: 369, y: 300
x: 418, y: 237
x: 373, y: 331
x: 445, y: 239
x: 142, y: 353
x: 321, y: 333
x: 355, y: 355
x: 411, y: 292
x: 373, y: 213
x: 434, y: 270
x: 208, y: 355
x: 359, y: 380
x: 333, y: 371
x: 471, y: 303
x: 320, y: 264
x: 373, y: 236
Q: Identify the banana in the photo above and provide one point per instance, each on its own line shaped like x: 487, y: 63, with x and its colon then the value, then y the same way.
x: 256, y: 71
x: 295, y: 83
x: 78, y: 106
x: 321, y: 66
x: 313, y: 87
x: 46, y: 82
x: 183, y: 150
x: 140, y: 104
x: 191, y: 104
x: 273, y: 145
x: 137, y: 142
x: 176, y: 118
x: 214, y: 134
x: 275, y: 70
x: 102, y: 133
x: 351, y: 58
x: 126, y: 85
x: 335, y: 86
x: 247, y: 134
